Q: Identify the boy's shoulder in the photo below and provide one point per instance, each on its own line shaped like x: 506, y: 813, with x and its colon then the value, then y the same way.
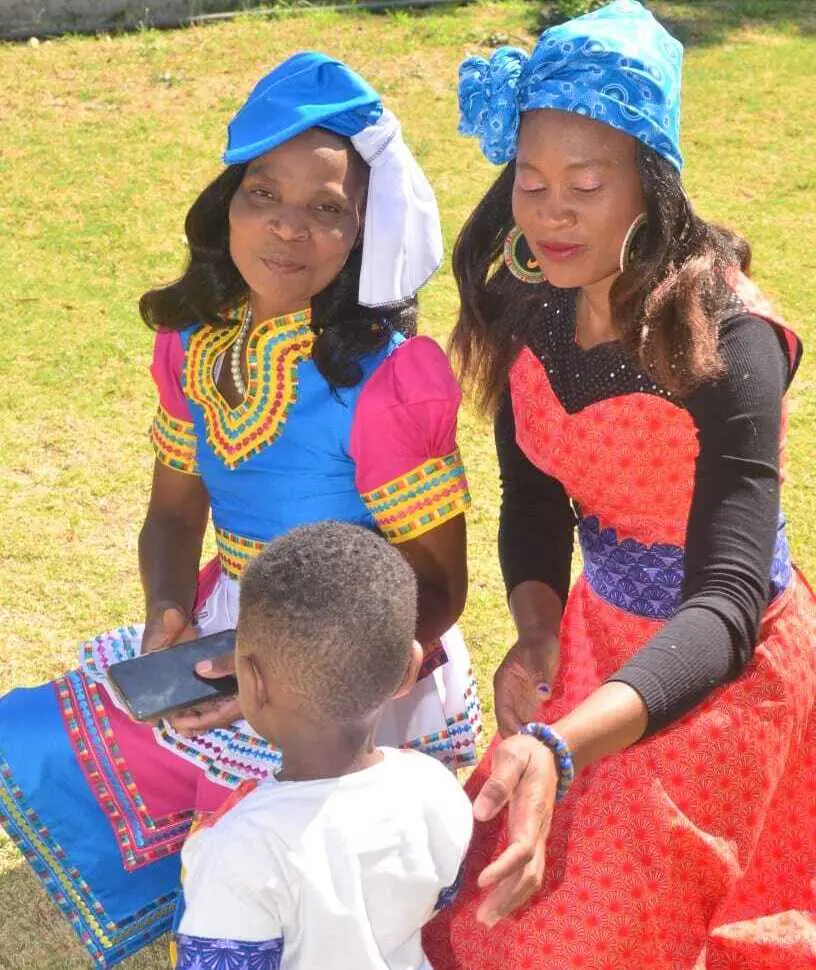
x: 425, y: 780
x: 273, y: 814
x: 238, y: 847
x: 277, y: 831
x: 410, y: 764
x: 435, y: 809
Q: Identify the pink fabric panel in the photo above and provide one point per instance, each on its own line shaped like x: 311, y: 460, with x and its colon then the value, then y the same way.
x: 166, y: 783
x: 406, y: 414
x: 167, y: 368
x: 210, y: 797
x: 208, y: 577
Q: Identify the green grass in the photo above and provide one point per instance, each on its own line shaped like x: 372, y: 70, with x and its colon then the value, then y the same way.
x: 105, y: 144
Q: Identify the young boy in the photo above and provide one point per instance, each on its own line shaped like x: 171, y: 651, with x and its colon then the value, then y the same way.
x: 337, y: 862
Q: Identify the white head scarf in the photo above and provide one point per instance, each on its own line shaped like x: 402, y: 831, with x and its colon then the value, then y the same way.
x: 402, y: 242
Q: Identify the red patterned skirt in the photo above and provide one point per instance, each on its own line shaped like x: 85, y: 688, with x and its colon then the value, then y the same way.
x: 693, y: 850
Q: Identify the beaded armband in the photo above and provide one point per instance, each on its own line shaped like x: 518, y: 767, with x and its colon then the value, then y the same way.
x: 421, y: 499
x: 559, y: 747
x: 174, y: 442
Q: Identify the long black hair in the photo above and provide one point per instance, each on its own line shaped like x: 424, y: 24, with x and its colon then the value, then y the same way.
x: 211, y: 286
x: 666, y: 305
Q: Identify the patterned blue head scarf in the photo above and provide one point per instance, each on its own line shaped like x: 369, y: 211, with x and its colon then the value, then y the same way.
x: 617, y: 65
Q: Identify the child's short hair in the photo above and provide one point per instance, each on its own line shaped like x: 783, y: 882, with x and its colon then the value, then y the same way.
x: 332, y: 609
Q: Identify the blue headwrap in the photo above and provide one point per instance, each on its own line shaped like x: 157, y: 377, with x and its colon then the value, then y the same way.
x: 617, y: 65
x: 308, y: 90
x: 402, y: 241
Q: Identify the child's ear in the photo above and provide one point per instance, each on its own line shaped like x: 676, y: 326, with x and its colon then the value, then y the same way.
x: 412, y: 672
x: 257, y: 684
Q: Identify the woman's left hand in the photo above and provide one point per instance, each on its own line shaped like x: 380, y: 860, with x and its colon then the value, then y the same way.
x: 525, y: 777
x: 524, y: 679
x: 217, y: 713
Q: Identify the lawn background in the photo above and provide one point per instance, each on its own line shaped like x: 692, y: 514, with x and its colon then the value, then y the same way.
x: 106, y: 142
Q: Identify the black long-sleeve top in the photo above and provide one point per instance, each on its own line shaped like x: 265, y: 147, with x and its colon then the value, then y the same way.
x: 731, y: 529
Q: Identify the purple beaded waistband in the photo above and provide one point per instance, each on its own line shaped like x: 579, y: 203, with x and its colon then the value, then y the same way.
x: 647, y: 579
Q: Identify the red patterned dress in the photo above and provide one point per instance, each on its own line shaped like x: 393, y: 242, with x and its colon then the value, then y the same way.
x: 696, y: 848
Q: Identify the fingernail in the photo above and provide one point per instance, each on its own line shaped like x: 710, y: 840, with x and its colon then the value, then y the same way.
x: 205, y: 666
x: 543, y: 688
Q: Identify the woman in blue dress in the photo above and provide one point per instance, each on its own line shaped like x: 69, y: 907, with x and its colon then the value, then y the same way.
x: 290, y: 389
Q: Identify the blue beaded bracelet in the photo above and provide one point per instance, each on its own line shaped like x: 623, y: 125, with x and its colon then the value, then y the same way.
x: 560, y: 748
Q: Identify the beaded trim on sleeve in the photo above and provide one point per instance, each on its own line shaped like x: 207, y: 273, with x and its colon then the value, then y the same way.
x: 174, y: 442
x: 420, y: 500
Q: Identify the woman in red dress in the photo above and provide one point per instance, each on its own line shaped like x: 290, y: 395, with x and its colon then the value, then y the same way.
x: 638, y: 382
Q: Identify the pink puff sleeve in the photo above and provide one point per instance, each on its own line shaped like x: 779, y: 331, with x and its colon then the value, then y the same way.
x: 403, y: 440
x: 172, y: 431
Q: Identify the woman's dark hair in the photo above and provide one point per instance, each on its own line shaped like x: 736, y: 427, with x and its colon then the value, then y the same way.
x: 211, y: 285
x: 666, y: 305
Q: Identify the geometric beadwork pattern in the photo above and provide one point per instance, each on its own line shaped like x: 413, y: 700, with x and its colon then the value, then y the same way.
x: 174, y: 442
x: 274, y: 350
x: 420, y: 500
x: 226, y: 756
x: 105, y: 941
x: 106, y: 649
x: 235, y: 551
x: 455, y: 744
x: 142, y: 838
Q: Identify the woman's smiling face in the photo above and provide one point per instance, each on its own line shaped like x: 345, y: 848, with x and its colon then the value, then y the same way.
x: 295, y: 218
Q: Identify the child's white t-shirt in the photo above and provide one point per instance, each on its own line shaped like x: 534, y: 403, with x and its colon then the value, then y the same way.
x: 335, y: 874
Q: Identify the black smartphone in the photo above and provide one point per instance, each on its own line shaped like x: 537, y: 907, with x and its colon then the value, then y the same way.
x: 155, y: 684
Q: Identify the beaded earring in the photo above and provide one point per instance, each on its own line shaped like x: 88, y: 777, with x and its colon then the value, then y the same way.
x: 629, y: 240
x: 519, y: 259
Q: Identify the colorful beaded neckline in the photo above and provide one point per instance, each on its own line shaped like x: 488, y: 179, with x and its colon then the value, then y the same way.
x: 275, y: 348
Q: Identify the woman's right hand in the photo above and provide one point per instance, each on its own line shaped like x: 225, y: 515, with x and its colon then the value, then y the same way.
x: 220, y: 712
x: 525, y: 779
x: 524, y: 679
x: 167, y: 624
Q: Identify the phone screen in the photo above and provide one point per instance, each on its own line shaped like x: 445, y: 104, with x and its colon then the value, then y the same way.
x: 159, y: 683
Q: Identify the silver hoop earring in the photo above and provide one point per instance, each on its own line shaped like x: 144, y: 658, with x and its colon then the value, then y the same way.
x: 629, y: 240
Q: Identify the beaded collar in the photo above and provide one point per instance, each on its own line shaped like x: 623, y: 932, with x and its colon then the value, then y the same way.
x: 580, y: 377
x: 275, y: 348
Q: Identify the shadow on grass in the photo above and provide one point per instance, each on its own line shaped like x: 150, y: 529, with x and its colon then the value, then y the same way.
x: 702, y: 23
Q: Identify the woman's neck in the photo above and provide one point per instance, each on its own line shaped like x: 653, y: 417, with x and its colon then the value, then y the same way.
x: 593, y: 314
x: 265, y: 309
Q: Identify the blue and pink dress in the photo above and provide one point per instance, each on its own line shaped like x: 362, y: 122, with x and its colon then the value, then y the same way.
x: 99, y: 804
